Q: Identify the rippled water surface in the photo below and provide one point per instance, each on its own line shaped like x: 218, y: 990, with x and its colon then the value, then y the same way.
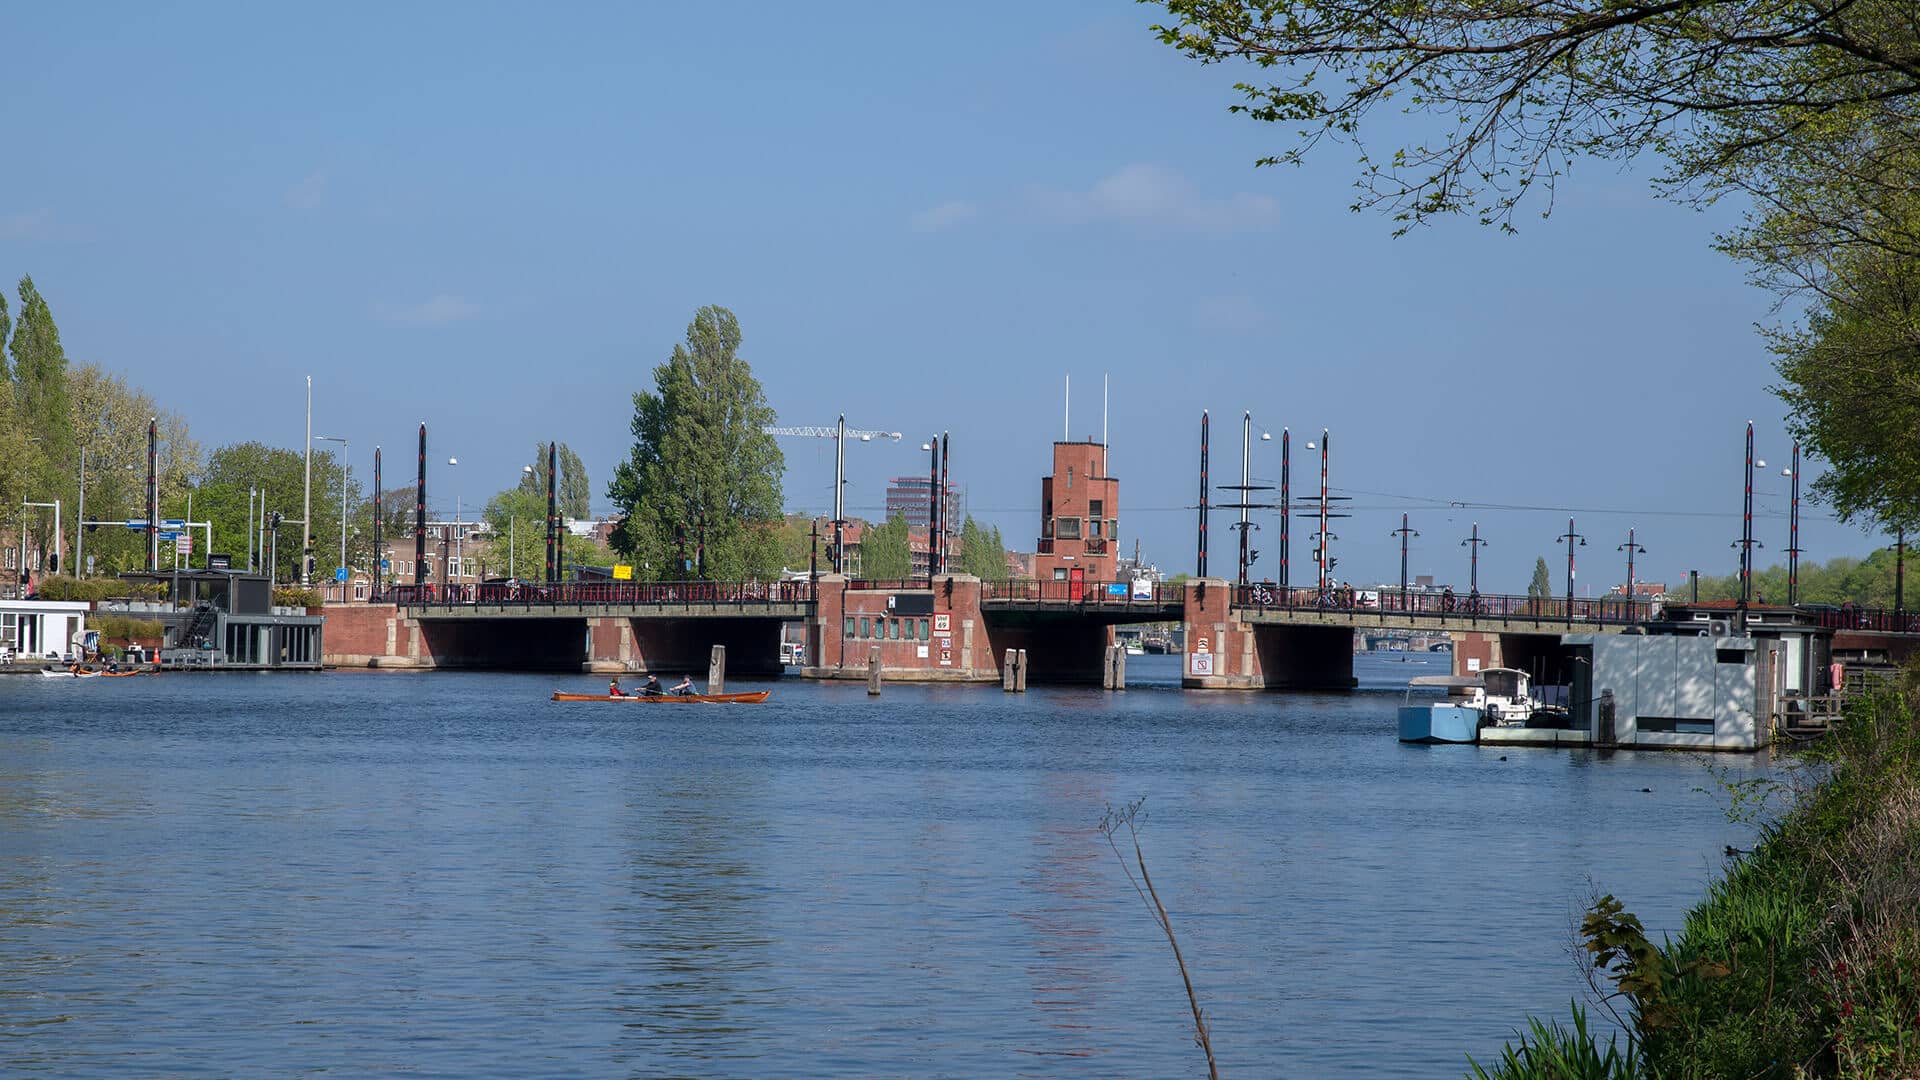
x: 450, y: 875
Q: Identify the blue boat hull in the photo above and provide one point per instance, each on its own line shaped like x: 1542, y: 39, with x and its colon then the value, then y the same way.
x: 1439, y: 724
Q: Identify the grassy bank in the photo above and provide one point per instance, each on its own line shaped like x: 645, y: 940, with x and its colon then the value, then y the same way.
x: 1803, y: 961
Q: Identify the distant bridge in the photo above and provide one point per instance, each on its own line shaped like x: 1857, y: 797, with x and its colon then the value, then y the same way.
x: 953, y: 627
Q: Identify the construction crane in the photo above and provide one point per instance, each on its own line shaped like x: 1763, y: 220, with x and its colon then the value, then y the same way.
x: 838, y: 433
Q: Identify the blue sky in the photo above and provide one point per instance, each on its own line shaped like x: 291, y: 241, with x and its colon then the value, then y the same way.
x: 498, y: 219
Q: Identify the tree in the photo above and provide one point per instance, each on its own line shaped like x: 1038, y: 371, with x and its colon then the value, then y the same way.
x: 40, y: 374
x: 222, y: 498
x: 1541, y: 586
x: 1755, y: 95
x: 701, y: 465
x: 109, y: 419
x: 572, y: 488
x: 517, y: 519
x: 886, y: 551
x: 981, y: 552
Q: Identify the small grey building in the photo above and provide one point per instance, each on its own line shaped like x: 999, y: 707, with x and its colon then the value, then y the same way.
x: 226, y: 619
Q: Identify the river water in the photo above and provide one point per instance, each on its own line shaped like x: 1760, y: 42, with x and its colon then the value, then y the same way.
x: 449, y: 875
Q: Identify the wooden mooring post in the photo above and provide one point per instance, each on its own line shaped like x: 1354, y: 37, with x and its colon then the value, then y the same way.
x: 717, y: 671
x: 1020, y: 673
x: 1009, y: 670
x: 873, y: 671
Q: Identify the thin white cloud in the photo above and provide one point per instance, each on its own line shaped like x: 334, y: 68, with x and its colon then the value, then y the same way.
x: 944, y: 216
x: 1156, y: 195
x: 27, y: 226
x: 440, y: 310
x: 308, y: 193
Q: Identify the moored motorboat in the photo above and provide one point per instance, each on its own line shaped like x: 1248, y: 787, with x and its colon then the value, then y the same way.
x: 751, y: 698
x: 1456, y: 719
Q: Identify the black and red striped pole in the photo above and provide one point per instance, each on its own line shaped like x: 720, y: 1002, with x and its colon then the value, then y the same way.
x: 379, y: 532
x: 1201, y: 567
x: 420, y: 514
x: 153, y: 496
x: 553, y: 520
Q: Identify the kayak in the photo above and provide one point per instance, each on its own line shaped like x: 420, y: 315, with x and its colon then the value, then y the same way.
x: 754, y: 698
x: 63, y: 673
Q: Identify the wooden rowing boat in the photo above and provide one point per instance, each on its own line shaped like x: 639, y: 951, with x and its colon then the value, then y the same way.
x: 754, y: 698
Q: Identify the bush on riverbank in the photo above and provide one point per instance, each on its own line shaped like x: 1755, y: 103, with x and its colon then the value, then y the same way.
x: 1803, y: 961
x: 91, y: 590
x: 294, y: 596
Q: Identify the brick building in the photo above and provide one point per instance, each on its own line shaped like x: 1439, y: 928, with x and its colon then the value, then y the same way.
x: 1079, y: 517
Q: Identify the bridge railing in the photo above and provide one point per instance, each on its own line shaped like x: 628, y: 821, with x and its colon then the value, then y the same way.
x: 1097, y: 593
x: 603, y: 593
x: 1848, y: 617
x: 1443, y: 605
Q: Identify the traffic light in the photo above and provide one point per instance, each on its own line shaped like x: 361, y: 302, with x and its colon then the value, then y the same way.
x: 53, y: 563
x: 273, y: 520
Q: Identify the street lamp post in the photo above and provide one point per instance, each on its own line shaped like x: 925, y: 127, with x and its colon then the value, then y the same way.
x: 1403, y: 532
x: 1631, y: 548
x: 448, y: 564
x: 1747, y: 543
x: 1793, y: 531
x: 1246, y: 487
x: 346, y: 472
x: 1571, y: 537
x: 306, y: 498
x: 1473, y: 545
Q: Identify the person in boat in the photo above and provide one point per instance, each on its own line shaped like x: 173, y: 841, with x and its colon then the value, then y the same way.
x: 613, y: 688
x: 685, y: 686
x: 651, y: 688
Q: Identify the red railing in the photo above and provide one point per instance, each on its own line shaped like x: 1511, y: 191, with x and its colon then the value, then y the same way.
x: 530, y: 594
x: 1444, y: 605
x: 1102, y: 593
x: 1848, y: 617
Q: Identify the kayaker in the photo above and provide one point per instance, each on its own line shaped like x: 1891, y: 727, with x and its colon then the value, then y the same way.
x: 651, y: 688
x: 685, y: 686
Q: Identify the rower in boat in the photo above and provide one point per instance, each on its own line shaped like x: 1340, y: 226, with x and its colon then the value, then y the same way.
x: 685, y: 686
x: 651, y: 688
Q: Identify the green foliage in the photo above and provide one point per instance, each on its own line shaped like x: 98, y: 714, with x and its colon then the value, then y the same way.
x: 1844, y: 371
x: 221, y: 498
x: 886, y: 551
x: 40, y: 375
x: 700, y: 460
x: 1804, y: 960
x: 517, y: 519
x: 293, y: 596
x: 91, y: 590
x: 1867, y: 582
x: 981, y: 552
x: 1541, y: 587
x: 1760, y: 96
x: 1548, y: 1051
x: 572, y: 493
x: 117, y: 629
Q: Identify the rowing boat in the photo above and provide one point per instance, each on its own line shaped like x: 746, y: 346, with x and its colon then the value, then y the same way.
x: 754, y: 698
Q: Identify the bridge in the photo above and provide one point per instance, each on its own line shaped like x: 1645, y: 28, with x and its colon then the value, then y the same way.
x: 948, y: 627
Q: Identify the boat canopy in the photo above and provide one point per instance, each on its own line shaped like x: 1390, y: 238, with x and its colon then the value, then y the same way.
x: 1505, y: 682
x: 1444, y: 680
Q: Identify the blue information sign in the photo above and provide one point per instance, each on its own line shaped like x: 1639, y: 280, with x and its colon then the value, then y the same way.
x: 1117, y: 589
x: 339, y: 573
x: 170, y: 536
x: 131, y: 524
x: 173, y: 523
